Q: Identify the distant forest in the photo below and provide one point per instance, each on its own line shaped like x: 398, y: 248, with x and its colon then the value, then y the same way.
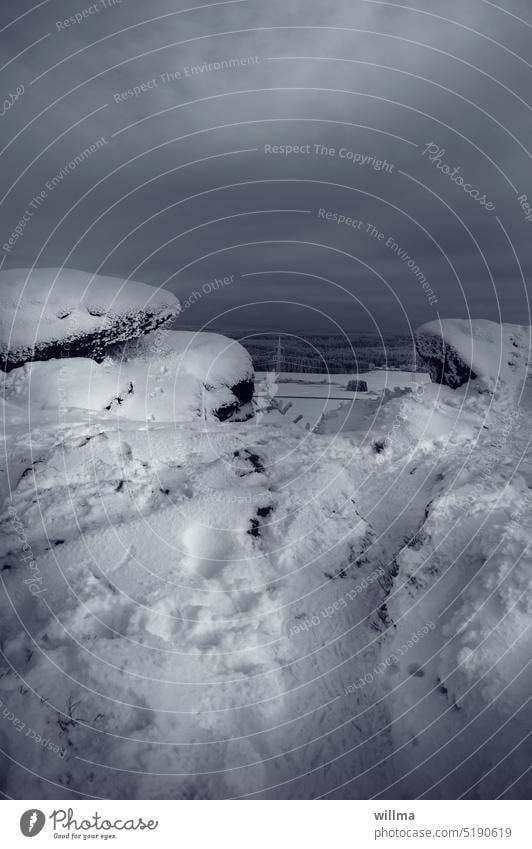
x: 330, y: 353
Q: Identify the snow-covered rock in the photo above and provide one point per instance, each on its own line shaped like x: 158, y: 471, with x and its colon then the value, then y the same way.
x: 49, y: 313
x: 173, y: 376
x: 493, y: 355
x: 221, y: 366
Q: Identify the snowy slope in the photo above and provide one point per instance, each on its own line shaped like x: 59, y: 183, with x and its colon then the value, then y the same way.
x: 172, y: 610
x: 462, y: 691
x: 59, y: 312
x: 250, y: 609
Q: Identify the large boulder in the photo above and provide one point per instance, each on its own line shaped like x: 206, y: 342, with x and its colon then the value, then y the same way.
x: 50, y: 313
x: 493, y: 356
x: 220, y: 368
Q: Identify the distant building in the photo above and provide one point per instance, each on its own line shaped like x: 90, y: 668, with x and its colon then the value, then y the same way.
x: 357, y: 386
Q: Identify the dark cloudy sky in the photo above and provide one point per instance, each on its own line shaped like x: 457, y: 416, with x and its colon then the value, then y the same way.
x: 181, y: 190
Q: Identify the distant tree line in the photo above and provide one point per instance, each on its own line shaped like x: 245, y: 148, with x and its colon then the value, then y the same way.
x: 334, y: 354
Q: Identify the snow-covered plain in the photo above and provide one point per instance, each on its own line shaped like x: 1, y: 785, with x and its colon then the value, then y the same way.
x: 310, y: 400
x: 257, y: 610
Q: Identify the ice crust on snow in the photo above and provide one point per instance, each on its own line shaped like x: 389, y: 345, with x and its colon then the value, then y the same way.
x: 494, y: 355
x: 52, y: 312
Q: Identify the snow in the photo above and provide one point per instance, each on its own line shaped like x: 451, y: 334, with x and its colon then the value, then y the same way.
x: 376, y: 379
x: 207, y: 357
x: 172, y: 376
x: 468, y: 572
x: 311, y: 400
x: 497, y: 354
x: 176, y: 617
x: 251, y: 609
x: 44, y: 306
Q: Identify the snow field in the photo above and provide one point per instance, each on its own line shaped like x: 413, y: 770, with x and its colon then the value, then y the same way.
x: 213, y: 610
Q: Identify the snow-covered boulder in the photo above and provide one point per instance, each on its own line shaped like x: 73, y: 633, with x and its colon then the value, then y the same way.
x: 218, y: 367
x: 49, y: 313
x: 171, y: 376
x: 494, y: 355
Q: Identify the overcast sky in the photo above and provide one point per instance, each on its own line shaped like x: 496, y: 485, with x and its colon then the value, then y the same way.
x: 184, y: 186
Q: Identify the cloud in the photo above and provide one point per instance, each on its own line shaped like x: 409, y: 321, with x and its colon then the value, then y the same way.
x: 187, y: 102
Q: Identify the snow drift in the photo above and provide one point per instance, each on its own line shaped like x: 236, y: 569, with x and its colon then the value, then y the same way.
x: 48, y: 313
